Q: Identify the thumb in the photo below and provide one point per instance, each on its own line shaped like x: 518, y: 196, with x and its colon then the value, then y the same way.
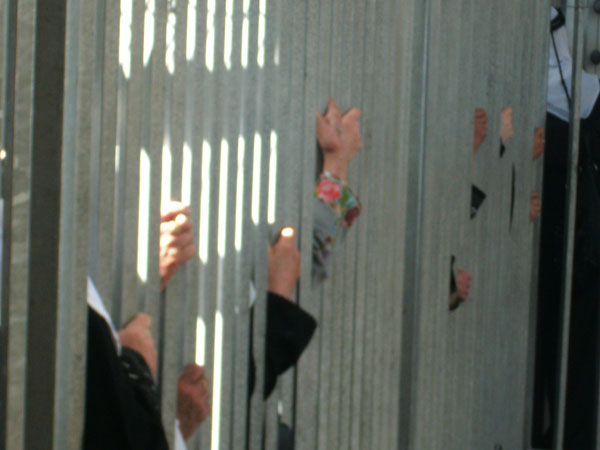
x: 288, y: 233
x: 287, y: 237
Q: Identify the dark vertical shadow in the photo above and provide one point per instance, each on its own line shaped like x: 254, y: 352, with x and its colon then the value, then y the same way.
x: 8, y: 108
x: 49, y: 80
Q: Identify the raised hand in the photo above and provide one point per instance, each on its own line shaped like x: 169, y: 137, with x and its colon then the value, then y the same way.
x: 539, y: 143
x: 506, y: 130
x: 193, y: 399
x: 535, y: 210
x: 136, y: 335
x: 463, y: 284
x: 284, y: 265
x: 339, y: 137
x: 480, y: 132
x: 176, y: 240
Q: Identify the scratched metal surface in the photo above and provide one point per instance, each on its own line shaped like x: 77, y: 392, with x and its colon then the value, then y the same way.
x: 472, y: 364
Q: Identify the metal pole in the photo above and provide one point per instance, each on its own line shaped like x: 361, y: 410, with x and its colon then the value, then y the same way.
x: 576, y: 8
x: 410, y: 328
x: 46, y: 161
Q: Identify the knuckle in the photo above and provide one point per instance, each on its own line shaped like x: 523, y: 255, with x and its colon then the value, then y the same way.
x: 136, y: 333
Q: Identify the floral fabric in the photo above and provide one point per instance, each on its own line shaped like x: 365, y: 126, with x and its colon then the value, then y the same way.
x: 345, y: 206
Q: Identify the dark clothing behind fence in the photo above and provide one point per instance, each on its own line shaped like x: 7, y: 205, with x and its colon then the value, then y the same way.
x: 289, y: 330
x: 116, y: 417
x: 582, y: 366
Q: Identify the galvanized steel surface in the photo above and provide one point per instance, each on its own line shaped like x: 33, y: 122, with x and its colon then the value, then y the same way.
x: 213, y: 104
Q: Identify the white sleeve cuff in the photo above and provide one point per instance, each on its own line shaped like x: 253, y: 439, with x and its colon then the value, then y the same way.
x: 179, y: 441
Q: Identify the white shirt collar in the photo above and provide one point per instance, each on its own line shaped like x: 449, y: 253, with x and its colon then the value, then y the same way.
x: 94, y: 301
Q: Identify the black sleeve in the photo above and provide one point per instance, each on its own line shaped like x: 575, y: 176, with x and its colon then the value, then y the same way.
x: 477, y: 199
x: 289, y: 330
x: 140, y: 377
x: 114, y: 416
x: 454, y: 301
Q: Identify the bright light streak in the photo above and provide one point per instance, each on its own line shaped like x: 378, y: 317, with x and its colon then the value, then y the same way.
x: 272, y: 179
x: 246, y: 6
x: 148, y: 31
x: 245, y: 41
x: 117, y: 156
x: 223, y: 180
x: 229, y: 7
x: 239, y: 196
x: 228, y: 34
x: 144, y: 216
x: 186, y: 175
x: 216, y: 400
x: 167, y: 162
x: 210, y: 35
x: 260, y: 57
x: 2, y: 155
x: 200, y: 341
x: 190, y: 48
x: 205, y: 202
x: 256, y: 179
x: 125, y: 37
x: 170, y: 52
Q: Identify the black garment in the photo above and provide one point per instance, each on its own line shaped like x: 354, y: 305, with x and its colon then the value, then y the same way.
x: 140, y: 376
x: 289, y: 330
x: 121, y: 404
x: 582, y: 365
x: 116, y: 416
x: 454, y: 301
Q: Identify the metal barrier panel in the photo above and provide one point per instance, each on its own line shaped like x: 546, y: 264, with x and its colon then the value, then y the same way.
x: 212, y: 103
x: 480, y: 57
x: 16, y: 221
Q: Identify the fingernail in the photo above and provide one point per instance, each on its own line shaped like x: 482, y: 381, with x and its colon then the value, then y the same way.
x: 287, y: 232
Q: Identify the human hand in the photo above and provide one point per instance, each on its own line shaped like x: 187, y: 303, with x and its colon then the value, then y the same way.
x: 506, y: 130
x: 463, y: 284
x: 176, y: 240
x: 284, y: 265
x: 539, y: 143
x: 535, y: 210
x: 480, y: 132
x: 339, y: 137
x: 193, y: 399
x: 136, y: 335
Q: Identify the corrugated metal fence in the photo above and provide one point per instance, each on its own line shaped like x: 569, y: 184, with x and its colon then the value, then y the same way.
x: 213, y: 103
